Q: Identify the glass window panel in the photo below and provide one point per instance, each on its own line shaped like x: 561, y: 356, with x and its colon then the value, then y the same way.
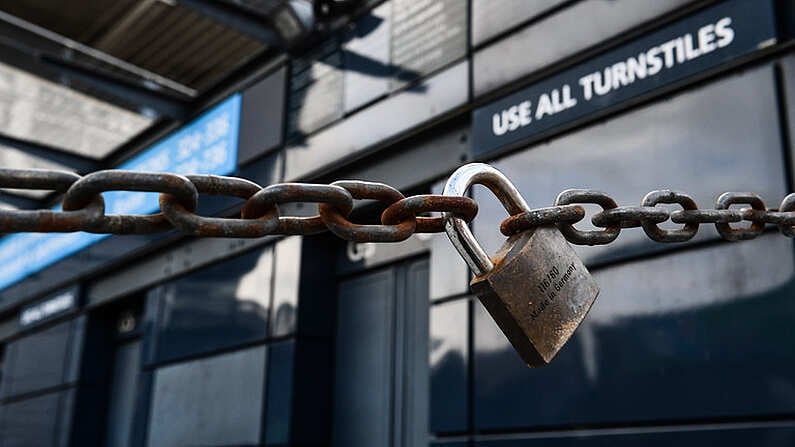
x: 315, y: 97
x: 42, y: 359
x: 721, y: 137
x: 216, y: 307
x: 41, y: 111
x: 696, y: 334
x: 449, y: 359
x: 214, y: 401
x: 262, y: 117
x: 40, y: 420
x: 382, y: 120
x: 426, y: 35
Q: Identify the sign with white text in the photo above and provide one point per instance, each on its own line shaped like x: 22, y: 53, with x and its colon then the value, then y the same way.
x: 705, y: 40
x: 54, y: 306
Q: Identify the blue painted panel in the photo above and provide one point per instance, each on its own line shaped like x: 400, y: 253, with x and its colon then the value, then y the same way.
x: 207, y: 145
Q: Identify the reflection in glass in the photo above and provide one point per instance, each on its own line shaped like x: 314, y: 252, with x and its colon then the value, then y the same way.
x: 694, y: 334
x: 315, y: 96
x: 216, y: 307
x: 285, y: 285
x: 426, y: 36
x: 449, y: 353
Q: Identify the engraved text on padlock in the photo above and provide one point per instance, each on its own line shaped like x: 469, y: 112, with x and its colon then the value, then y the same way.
x: 538, y: 292
x: 535, y: 287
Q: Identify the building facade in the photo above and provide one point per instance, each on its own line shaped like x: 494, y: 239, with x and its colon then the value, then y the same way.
x: 171, y: 341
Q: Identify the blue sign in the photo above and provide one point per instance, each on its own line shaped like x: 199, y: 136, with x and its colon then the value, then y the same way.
x: 207, y: 145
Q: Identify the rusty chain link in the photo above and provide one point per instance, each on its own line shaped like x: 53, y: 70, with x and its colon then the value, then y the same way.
x: 83, y: 209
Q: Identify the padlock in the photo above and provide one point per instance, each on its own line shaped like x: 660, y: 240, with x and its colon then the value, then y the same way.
x: 536, y: 288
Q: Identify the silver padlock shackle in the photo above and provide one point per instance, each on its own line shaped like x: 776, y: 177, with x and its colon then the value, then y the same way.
x: 457, y: 229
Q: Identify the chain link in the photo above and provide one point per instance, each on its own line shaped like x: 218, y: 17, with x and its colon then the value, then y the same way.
x: 613, y: 218
x: 580, y: 237
x: 83, y: 209
x: 654, y: 232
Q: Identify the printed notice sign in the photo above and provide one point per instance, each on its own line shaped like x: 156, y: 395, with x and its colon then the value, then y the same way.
x: 695, y: 44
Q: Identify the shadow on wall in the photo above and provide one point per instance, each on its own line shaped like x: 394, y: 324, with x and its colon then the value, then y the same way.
x: 320, y: 101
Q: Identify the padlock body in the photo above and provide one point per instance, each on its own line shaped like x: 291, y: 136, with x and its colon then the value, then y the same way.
x: 538, y: 292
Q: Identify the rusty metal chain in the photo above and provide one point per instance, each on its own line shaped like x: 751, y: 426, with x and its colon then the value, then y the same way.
x: 83, y: 209
x: 612, y: 219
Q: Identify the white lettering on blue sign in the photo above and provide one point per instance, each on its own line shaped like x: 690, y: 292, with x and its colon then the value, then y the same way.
x: 207, y: 145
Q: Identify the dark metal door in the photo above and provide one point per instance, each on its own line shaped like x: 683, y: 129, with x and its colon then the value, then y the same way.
x: 380, y: 385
